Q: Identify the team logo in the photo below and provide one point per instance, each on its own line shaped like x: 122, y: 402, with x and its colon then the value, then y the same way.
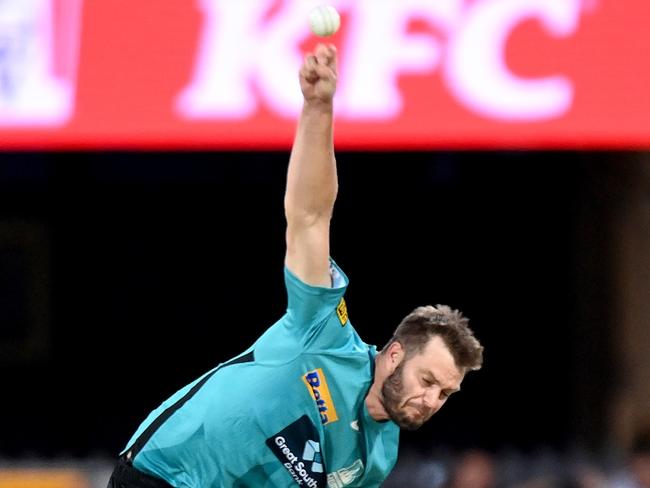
x: 345, y: 476
x: 311, y: 452
x: 320, y: 392
x: 342, y: 312
x: 298, y: 449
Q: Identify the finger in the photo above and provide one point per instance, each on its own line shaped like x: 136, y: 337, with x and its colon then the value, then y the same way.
x: 326, y: 73
x: 320, y: 49
x: 308, y: 69
x: 310, y: 61
x: 325, y: 54
x: 333, y: 58
x: 321, y: 54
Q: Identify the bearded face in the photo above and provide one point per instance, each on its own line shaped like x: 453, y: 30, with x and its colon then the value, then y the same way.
x: 394, y: 400
x: 420, y: 385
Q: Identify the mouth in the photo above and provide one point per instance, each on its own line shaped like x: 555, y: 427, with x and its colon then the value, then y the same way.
x: 420, y: 411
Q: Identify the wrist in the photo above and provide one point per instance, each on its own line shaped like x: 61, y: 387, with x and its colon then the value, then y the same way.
x: 317, y: 105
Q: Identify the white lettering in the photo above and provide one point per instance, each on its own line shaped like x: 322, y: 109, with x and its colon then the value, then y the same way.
x: 30, y: 91
x: 293, y: 474
x: 221, y: 84
x: 288, y: 454
x: 380, y: 49
x: 250, y: 52
x: 242, y: 50
x: 300, y: 468
x: 477, y: 73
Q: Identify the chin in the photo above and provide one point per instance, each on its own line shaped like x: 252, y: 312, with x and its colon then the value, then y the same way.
x: 412, y: 425
x: 407, y: 422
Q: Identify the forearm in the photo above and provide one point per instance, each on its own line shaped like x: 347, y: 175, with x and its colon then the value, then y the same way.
x: 311, y: 179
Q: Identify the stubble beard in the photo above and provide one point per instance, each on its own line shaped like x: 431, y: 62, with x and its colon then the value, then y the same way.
x: 392, y: 392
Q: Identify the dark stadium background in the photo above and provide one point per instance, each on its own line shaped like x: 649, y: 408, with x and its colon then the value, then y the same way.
x: 147, y: 269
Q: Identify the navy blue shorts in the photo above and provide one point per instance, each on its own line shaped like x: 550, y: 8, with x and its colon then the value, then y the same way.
x: 126, y: 476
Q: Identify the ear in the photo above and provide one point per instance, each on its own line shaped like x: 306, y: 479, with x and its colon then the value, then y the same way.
x: 395, y: 355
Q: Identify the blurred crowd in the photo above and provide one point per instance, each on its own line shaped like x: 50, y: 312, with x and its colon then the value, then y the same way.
x: 478, y: 468
x: 442, y: 468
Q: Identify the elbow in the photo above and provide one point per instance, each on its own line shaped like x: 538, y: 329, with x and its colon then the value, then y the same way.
x: 306, y: 217
x: 309, y: 211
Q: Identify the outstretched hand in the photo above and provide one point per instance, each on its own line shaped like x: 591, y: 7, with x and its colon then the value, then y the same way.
x: 318, y: 74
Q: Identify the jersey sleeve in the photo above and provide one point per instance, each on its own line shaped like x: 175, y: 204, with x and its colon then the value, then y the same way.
x: 317, y: 315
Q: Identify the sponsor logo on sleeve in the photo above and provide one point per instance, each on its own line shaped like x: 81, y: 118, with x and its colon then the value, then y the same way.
x: 342, y: 312
x: 317, y: 386
x: 298, y: 449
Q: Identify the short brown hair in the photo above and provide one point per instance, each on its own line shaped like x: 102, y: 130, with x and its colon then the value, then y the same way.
x: 423, y: 323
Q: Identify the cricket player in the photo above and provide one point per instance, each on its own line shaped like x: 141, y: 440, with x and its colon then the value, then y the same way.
x: 309, y: 403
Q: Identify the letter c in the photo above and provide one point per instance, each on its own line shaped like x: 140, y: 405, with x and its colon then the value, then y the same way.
x: 476, y: 70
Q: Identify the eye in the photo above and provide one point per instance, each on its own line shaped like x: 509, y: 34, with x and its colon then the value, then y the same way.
x: 427, y: 381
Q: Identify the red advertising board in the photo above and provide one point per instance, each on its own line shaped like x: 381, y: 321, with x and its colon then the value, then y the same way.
x: 416, y: 74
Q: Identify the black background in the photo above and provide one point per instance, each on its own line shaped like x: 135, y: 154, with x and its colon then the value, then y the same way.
x: 162, y: 265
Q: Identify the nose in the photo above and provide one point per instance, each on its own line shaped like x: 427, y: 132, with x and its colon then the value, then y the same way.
x: 432, y: 399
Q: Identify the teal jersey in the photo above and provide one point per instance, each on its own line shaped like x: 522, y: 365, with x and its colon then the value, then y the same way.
x: 289, y: 411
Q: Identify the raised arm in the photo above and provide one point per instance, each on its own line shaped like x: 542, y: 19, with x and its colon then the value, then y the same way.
x: 311, y: 180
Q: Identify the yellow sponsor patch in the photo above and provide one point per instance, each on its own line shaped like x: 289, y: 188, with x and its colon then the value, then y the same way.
x: 317, y: 385
x: 342, y: 312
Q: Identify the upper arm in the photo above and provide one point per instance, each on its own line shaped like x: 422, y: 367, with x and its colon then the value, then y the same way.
x: 316, y: 315
x: 308, y: 250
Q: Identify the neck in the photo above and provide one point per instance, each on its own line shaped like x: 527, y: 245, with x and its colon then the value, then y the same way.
x: 374, y: 402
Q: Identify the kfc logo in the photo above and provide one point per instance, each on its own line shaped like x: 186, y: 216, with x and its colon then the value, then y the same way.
x: 468, y: 51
